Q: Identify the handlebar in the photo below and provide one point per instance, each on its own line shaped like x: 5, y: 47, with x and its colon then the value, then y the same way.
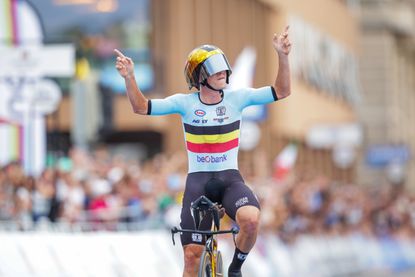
x: 175, y: 230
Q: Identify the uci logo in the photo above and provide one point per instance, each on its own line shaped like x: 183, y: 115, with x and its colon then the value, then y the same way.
x: 200, y: 113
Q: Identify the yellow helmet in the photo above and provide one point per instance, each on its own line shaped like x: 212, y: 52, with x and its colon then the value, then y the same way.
x: 203, y: 62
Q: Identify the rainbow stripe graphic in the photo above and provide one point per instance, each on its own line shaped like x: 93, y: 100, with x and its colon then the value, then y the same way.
x: 11, y: 134
x: 11, y: 142
x: 9, y: 21
x: 212, y: 139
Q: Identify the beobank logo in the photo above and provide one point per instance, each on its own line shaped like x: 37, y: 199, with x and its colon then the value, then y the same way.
x: 200, y: 112
x: 212, y: 159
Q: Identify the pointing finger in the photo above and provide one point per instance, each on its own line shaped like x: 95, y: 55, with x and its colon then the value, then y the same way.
x: 119, y: 54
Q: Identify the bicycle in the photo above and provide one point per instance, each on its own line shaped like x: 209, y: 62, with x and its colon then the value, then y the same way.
x: 211, y: 264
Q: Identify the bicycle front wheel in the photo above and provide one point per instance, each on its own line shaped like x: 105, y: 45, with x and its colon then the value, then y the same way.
x: 205, y: 266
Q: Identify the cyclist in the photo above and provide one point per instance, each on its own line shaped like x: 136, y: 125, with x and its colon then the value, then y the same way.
x: 211, y: 120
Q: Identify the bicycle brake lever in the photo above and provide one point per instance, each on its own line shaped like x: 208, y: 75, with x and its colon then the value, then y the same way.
x: 173, y: 231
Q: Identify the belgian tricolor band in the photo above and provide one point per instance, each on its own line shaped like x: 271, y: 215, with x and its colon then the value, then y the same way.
x: 212, y: 139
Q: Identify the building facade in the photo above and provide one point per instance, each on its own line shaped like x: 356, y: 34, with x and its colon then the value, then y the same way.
x: 387, y: 62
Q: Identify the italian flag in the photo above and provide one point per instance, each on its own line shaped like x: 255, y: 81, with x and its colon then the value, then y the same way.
x: 285, y: 161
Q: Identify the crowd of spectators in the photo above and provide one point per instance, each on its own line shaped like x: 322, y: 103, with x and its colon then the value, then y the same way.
x: 97, y: 191
x: 92, y: 189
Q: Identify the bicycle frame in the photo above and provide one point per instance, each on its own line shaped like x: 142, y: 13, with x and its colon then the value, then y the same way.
x: 211, y: 245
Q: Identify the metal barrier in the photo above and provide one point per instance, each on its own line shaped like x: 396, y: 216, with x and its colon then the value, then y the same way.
x: 56, y: 252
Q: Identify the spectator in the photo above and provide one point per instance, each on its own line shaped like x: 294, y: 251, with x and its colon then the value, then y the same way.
x: 42, y: 196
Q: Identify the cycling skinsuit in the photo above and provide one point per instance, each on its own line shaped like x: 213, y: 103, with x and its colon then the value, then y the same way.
x: 211, y: 133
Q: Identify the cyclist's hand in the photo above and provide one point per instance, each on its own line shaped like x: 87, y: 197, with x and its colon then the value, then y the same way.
x: 281, y: 42
x: 221, y: 211
x: 124, y: 65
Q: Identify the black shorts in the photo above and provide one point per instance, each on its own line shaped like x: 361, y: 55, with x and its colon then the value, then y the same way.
x: 235, y: 195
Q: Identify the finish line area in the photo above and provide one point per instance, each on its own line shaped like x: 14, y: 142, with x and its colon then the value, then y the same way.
x: 151, y: 253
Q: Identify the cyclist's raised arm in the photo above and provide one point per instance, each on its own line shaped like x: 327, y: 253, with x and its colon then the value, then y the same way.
x: 125, y: 67
x: 282, y: 45
x: 176, y: 103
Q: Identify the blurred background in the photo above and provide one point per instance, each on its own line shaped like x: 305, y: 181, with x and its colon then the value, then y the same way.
x: 88, y: 188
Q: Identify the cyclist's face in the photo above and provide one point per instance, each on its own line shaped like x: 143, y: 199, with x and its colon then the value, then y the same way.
x: 218, y: 80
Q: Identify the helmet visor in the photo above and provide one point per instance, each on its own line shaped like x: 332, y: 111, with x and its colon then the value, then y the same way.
x: 215, y: 64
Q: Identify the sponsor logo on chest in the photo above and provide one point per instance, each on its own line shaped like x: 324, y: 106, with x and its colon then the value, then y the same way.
x: 198, y: 121
x: 212, y: 159
x: 200, y: 112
